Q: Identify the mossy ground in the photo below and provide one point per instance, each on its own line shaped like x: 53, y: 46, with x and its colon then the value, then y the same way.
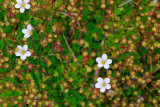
x: 68, y: 36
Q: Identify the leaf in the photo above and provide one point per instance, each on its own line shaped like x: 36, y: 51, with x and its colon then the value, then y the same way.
x: 49, y: 63
x: 97, y: 16
x: 94, y: 35
x: 2, y: 44
x: 20, y: 76
x: 28, y: 76
x: 8, y: 42
x: 86, y: 44
x: 117, y: 11
x: 89, y: 69
x: 45, y: 78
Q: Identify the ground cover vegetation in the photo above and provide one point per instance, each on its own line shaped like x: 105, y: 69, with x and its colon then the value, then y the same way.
x: 79, y: 53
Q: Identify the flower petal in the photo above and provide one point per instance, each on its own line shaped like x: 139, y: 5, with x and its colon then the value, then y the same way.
x: 22, y: 9
x: 23, y: 57
x: 108, y: 61
x: 100, y: 65
x: 25, y: 1
x: 107, y: 80
x: 99, y: 79
x: 28, y: 53
x: 17, y: 5
x: 19, y: 1
x: 25, y: 47
x: 17, y: 53
x: 27, y: 35
x: 98, y: 85
x: 102, y: 89
x: 29, y: 27
x: 108, y: 86
x: 98, y: 60
x: 27, y: 6
x: 104, y: 56
x: 25, y: 31
x: 106, y: 66
x: 19, y: 47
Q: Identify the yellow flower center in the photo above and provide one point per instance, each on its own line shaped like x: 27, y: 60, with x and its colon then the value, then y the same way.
x: 104, y: 84
x: 17, y: 49
x: 23, y: 5
x: 103, y: 62
x: 23, y: 52
x: 30, y: 33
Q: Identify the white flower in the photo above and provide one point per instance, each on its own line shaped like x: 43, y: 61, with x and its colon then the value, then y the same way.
x: 103, y: 62
x: 22, y: 5
x: 141, y: 99
x: 110, y: 91
x: 27, y: 32
x: 22, y: 52
x: 103, y: 84
x: 155, y: 1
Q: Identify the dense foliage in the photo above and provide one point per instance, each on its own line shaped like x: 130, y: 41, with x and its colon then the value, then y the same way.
x: 67, y: 36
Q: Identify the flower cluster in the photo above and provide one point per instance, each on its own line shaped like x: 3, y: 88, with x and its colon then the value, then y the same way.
x: 103, y: 62
x: 22, y: 51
